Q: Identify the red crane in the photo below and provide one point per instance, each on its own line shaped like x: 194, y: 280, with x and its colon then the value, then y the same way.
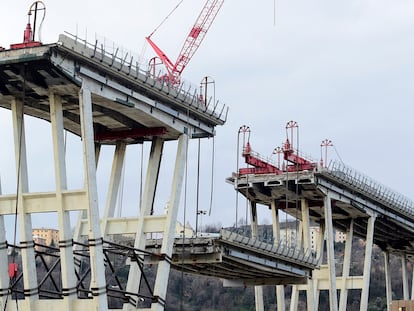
x: 192, y: 42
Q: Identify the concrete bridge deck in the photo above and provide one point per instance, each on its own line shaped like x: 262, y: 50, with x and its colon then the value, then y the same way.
x: 355, y: 196
x: 236, y: 259
x: 129, y: 103
x: 240, y: 260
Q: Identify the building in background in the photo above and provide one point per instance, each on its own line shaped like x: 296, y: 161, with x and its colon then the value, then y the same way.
x: 50, y: 237
x: 289, y: 234
x: 340, y: 236
x: 187, y: 230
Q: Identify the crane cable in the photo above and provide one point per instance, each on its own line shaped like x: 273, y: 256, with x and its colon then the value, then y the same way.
x: 20, y: 142
x: 286, y: 202
x: 184, y: 214
x: 165, y: 19
x: 337, y: 154
x: 297, y: 189
x: 198, y: 187
x: 141, y: 175
x: 212, y: 177
x: 184, y: 228
x: 237, y: 172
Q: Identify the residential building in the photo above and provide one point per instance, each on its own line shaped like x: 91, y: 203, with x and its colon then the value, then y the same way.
x: 48, y: 235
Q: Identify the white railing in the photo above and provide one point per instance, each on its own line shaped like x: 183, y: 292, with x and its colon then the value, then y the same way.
x: 371, y: 187
x: 129, y: 64
x: 297, y: 254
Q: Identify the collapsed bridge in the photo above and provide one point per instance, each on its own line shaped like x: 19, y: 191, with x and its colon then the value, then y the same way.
x: 106, y: 99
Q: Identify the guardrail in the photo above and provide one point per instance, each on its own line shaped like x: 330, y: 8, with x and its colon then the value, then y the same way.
x: 279, y: 249
x: 124, y: 62
x: 367, y: 185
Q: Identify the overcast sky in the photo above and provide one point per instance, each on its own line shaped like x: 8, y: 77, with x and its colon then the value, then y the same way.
x: 342, y: 69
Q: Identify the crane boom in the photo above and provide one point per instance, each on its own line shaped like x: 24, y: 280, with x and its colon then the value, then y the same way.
x: 192, y: 42
x: 197, y: 33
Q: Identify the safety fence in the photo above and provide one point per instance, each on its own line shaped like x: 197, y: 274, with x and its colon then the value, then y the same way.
x: 279, y: 249
x: 370, y: 187
x: 124, y: 62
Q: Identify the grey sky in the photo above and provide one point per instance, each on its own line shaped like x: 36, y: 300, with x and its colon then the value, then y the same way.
x: 342, y: 69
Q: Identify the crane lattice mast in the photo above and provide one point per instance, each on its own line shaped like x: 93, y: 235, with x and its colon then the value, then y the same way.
x: 192, y: 42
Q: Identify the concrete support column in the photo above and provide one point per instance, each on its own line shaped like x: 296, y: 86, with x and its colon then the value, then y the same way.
x: 65, y: 230
x: 320, y: 247
x: 388, y: 285
x: 148, y: 195
x: 4, y: 276
x: 306, y: 238
x: 404, y: 277
x: 319, y: 254
x: 258, y: 290
x: 343, y: 299
x: 412, y: 285
x: 367, y: 262
x: 83, y: 215
x: 98, y: 284
x: 25, y: 220
x: 280, y: 289
x: 163, y: 271
x: 114, y: 184
x: 330, y: 240
x: 294, y: 301
x: 310, y: 295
